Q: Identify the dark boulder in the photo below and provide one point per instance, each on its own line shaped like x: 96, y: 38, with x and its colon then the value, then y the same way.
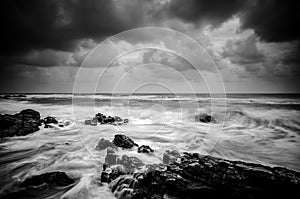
x: 108, y: 120
x: 30, y: 114
x: 197, y: 176
x: 123, y: 141
x: 20, y: 124
x: 50, y: 120
x: 52, y: 178
x: 205, y: 118
x: 145, y: 149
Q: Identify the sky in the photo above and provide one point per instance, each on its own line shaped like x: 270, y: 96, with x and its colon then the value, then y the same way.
x: 233, y: 46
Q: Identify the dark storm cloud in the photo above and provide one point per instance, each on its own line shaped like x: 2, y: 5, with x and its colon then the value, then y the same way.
x: 61, y: 24
x: 214, y: 12
x: 54, y: 24
x: 273, y: 20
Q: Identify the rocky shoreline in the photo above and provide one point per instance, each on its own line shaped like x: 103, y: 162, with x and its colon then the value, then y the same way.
x: 179, y: 175
x: 191, y: 176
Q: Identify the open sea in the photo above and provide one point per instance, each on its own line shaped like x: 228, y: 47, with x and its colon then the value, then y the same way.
x: 259, y: 128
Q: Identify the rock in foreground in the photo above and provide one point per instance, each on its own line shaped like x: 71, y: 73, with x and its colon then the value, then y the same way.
x: 196, y: 176
x: 20, y: 124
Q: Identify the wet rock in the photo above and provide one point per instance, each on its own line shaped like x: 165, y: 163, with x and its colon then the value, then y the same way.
x: 104, y: 144
x: 115, y: 166
x: 20, y: 124
x: 208, y: 177
x: 29, y: 114
x: 103, y: 119
x: 123, y: 141
x: 205, y: 118
x: 50, y: 120
x: 52, y: 178
x: 130, y: 163
x: 145, y: 149
x: 111, y: 173
x: 170, y: 156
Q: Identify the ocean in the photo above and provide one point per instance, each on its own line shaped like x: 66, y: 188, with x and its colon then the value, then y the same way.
x: 259, y: 128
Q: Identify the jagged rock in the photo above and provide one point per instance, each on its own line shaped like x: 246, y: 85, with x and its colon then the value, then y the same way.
x: 52, y: 178
x: 123, y: 141
x: 23, y: 123
x: 170, y: 156
x: 207, y: 177
x: 204, y: 117
x: 103, y: 144
x: 103, y: 119
x: 130, y: 163
x: 111, y: 173
x: 145, y: 149
x: 115, y: 166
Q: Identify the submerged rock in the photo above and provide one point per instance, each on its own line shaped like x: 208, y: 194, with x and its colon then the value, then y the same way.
x: 123, y: 141
x: 197, y: 176
x: 205, y: 118
x: 52, y: 178
x: 103, y: 144
x: 20, y: 124
x: 145, y: 149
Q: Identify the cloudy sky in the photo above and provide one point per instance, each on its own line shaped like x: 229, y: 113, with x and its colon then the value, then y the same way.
x: 253, y: 45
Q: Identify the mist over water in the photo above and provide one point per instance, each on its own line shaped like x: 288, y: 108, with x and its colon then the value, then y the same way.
x: 263, y: 129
